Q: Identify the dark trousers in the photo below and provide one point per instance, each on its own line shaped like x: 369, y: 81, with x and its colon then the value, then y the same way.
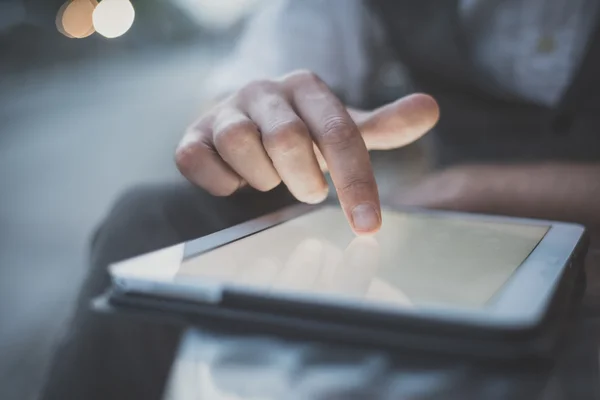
x: 103, y: 357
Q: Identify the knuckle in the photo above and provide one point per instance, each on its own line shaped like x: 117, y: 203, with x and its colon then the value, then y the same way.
x: 195, y: 161
x: 271, y: 102
x: 357, y: 185
x: 184, y: 159
x: 200, y: 123
x: 337, y: 131
x: 187, y: 157
x: 256, y: 88
x: 267, y: 186
x: 285, y: 137
x: 235, y: 136
x: 308, y: 76
x: 224, y: 188
x: 304, y: 76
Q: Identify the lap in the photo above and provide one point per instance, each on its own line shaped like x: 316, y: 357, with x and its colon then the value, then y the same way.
x: 105, y: 358
x: 115, y: 358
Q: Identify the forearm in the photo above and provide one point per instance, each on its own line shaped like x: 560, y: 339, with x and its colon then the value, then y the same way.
x: 556, y: 191
x: 568, y: 192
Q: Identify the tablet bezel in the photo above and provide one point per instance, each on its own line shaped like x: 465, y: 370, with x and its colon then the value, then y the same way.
x: 520, y: 304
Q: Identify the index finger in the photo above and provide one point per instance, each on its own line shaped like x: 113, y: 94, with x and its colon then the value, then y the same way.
x: 339, y: 140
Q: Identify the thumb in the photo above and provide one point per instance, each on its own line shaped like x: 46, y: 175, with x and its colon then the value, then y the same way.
x: 397, y: 124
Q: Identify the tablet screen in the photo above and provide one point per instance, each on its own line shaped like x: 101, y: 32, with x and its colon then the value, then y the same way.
x: 414, y: 260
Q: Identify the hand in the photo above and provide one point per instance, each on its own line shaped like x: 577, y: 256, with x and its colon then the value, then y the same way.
x: 552, y: 191
x: 292, y: 129
x: 457, y: 189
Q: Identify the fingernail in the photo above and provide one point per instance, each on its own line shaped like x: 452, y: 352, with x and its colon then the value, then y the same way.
x: 365, y: 218
x: 317, y: 197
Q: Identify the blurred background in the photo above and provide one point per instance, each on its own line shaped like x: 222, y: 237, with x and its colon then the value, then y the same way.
x: 94, y: 96
x: 83, y: 116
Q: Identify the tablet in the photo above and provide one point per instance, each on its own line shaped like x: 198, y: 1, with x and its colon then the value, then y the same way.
x: 426, y: 268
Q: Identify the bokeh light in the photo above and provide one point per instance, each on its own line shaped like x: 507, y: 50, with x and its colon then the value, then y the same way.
x: 59, y: 18
x: 74, y: 18
x: 112, y: 18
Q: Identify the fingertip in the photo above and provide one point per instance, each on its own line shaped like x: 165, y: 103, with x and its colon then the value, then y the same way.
x: 315, y: 197
x: 429, y: 108
x: 202, y: 167
x: 268, y: 183
x: 400, y: 123
x: 365, y: 219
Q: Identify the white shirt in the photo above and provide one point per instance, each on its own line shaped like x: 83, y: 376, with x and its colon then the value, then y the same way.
x: 342, y: 42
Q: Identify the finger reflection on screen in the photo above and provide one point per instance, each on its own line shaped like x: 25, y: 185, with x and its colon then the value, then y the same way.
x: 382, y: 291
x: 302, y: 267
x: 357, y: 267
x: 260, y: 273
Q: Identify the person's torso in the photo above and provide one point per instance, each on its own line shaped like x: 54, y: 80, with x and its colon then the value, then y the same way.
x: 508, y: 74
